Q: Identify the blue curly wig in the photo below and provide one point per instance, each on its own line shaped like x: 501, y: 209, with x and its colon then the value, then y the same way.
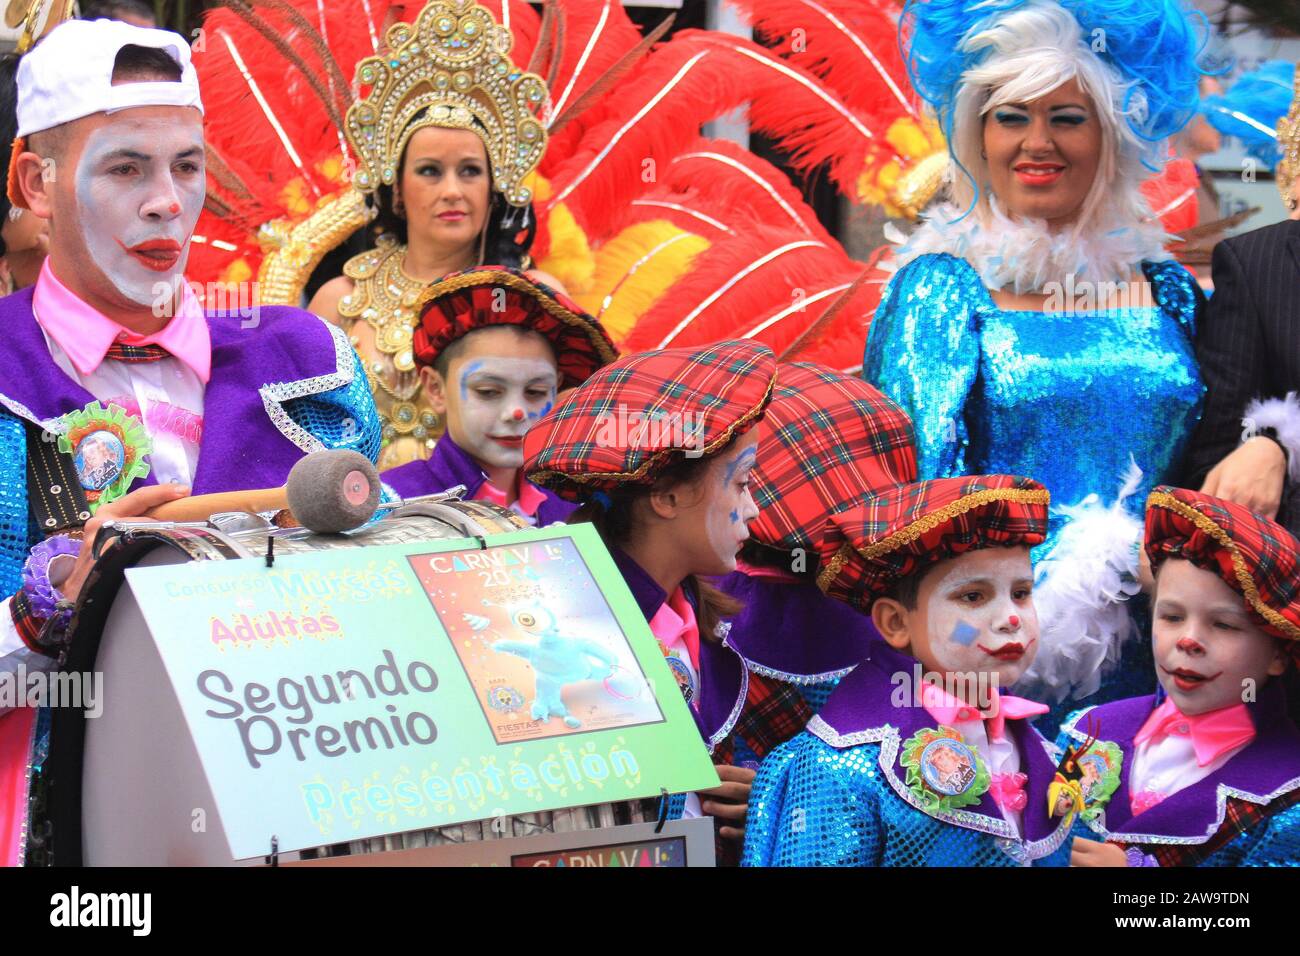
x: 1152, y: 45
x: 1249, y: 111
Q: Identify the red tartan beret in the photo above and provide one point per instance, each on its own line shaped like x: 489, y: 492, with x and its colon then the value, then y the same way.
x: 1255, y: 556
x: 461, y: 302
x: 867, y: 550
x: 633, y: 418
x: 826, y: 442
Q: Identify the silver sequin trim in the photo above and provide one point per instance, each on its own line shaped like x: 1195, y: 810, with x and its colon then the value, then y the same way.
x: 277, y: 393
x: 1222, y: 793
x: 734, y: 716
x: 22, y: 411
x: 803, y: 680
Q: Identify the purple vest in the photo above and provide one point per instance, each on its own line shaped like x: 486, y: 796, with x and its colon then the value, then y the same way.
x: 1264, y: 770
x: 450, y: 465
x: 249, y: 441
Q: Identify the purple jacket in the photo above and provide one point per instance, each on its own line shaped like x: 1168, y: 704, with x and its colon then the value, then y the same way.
x: 724, y: 682
x: 282, y: 385
x: 862, y: 710
x: 451, y: 465
x: 1266, y: 769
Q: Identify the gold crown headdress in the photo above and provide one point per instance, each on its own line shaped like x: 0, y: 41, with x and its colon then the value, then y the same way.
x: 449, y: 68
x: 1288, y: 137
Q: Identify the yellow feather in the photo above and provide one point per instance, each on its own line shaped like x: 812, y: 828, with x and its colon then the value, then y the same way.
x: 568, y: 257
x: 623, y: 287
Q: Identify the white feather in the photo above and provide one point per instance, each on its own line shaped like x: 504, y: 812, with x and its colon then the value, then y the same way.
x: 1080, y: 594
x: 1283, y: 415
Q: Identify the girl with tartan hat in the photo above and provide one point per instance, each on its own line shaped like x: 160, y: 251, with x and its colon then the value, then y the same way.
x: 1205, y: 772
x: 493, y: 346
x: 917, y: 759
x: 659, y: 449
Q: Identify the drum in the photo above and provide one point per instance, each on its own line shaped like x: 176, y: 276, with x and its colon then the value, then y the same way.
x: 128, y: 788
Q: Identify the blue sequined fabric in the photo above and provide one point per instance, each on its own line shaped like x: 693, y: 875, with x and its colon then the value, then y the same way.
x: 816, y: 805
x: 15, y: 536
x: 344, y: 417
x: 1063, y: 397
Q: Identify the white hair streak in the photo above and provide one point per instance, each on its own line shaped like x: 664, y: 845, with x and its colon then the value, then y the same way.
x: 1033, y: 51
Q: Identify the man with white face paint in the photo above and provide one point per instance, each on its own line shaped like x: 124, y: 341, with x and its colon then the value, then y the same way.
x: 918, y: 758
x: 494, y: 346
x: 118, y: 391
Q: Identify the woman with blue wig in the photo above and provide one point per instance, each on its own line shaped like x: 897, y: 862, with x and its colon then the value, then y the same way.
x: 1036, y: 324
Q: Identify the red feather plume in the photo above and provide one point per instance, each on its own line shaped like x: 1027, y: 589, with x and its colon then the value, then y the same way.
x: 695, y: 78
x: 851, y: 44
x: 736, y: 283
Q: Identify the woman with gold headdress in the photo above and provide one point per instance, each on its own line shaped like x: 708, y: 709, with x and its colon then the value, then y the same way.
x: 444, y: 137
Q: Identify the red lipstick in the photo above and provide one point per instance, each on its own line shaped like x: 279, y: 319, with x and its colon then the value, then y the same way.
x: 1038, y: 174
x: 1187, y: 679
x: 160, y: 255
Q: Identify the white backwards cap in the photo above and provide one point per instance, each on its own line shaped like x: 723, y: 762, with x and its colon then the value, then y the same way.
x: 69, y: 74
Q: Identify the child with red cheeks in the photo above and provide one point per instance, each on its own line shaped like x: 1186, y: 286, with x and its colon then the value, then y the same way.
x: 493, y: 347
x: 1207, y: 771
x: 917, y: 758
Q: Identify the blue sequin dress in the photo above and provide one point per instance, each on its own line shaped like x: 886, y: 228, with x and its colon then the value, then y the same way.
x: 1067, y: 398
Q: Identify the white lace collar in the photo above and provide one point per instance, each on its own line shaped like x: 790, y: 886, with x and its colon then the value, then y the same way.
x: 1025, y: 254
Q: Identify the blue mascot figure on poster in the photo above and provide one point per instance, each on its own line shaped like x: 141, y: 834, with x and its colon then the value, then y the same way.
x: 557, y: 660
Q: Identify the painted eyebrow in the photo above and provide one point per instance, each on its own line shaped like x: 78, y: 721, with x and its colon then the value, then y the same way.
x: 456, y: 159
x: 493, y: 378
x: 748, y: 453
x: 1063, y: 106
x: 116, y: 154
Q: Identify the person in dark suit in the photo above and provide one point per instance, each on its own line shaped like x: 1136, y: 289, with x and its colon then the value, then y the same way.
x: 1247, y: 447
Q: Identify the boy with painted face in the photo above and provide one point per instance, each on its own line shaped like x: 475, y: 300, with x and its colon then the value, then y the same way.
x: 110, y: 360
x: 917, y: 758
x: 1206, y: 772
x: 493, y: 347
x: 659, y: 448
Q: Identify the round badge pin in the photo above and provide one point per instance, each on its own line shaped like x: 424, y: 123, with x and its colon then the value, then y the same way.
x: 108, y: 446
x: 682, y: 673
x: 944, y: 773
x: 948, y: 767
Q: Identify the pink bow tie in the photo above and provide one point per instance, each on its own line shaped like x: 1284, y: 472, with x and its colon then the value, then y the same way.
x: 1008, y: 791
x: 947, y: 709
x: 1212, y: 734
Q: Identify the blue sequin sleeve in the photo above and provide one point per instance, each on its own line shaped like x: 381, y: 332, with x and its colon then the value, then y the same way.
x: 344, y: 417
x: 804, y: 810
x: 15, y: 535
x: 923, y: 352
